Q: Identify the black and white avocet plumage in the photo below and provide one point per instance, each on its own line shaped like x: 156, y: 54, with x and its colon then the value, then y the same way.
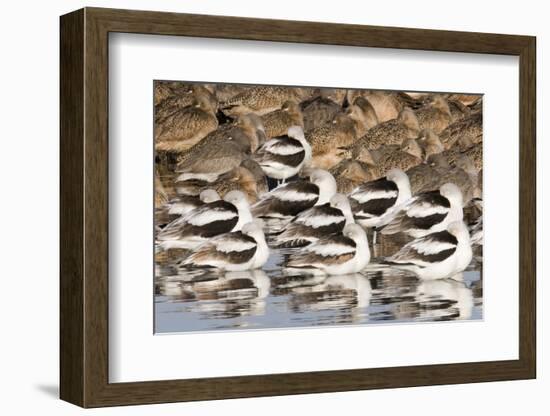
x: 234, y: 251
x: 427, y: 212
x: 438, y: 255
x: 187, y: 203
x: 476, y: 227
x: 337, y: 254
x: 316, y: 222
x: 207, y: 221
x: 374, y: 202
x: 282, y: 157
x: 288, y: 200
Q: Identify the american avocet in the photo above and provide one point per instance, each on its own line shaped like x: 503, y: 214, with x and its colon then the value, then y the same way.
x: 374, y: 203
x: 476, y: 227
x: 207, y: 221
x: 288, y: 200
x: 187, y: 203
x: 234, y: 251
x: 316, y: 222
x: 427, y: 213
x: 337, y: 254
x: 284, y: 156
x: 438, y: 255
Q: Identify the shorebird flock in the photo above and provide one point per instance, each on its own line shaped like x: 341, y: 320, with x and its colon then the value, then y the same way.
x: 325, y: 173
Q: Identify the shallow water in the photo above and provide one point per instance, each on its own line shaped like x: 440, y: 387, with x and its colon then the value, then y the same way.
x: 268, y: 298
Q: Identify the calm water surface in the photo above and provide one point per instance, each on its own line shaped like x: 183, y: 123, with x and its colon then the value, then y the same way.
x: 269, y: 298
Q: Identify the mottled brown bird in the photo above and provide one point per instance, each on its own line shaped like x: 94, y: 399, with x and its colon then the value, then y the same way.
x: 182, y: 96
x: 424, y: 177
x: 466, y: 99
x: 161, y: 196
x: 431, y: 176
x: 435, y: 115
x: 220, y: 151
x: 404, y: 157
x: 337, y: 95
x: 162, y: 90
x: 326, y: 139
x: 458, y: 110
x: 475, y: 153
x: 349, y: 174
x: 262, y: 100
x: 386, y: 104
x: 464, y: 133
x: 244, y: 177
x: 225, y: 92
x: 390, y: 132
x: 277, y: 122
x: 430, y: 143
x: 317, y: 111
x: 186, y: 127
x: 369, y: 119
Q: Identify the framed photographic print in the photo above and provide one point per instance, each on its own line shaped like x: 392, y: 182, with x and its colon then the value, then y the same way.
x: 256, y: 207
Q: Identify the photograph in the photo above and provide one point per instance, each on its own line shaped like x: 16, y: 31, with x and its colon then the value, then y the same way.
x: 280, y: 206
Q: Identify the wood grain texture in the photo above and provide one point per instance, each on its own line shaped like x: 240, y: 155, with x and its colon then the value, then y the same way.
x: 84, y: 207
x: 71, y: 100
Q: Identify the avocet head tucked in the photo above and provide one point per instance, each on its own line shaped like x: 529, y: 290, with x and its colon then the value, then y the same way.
x: 459, y: 230
x: 341, y: 202
x: 253, y: 229
x: 296, y: 132
x: 355, y: 232
x: 236, y: 198
x: 209, y: 195
x: 452, y: 193
x: 326, y: 183
x: 402, y: 181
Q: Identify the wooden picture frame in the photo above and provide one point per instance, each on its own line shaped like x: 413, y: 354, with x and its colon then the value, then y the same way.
x: 84, y: 207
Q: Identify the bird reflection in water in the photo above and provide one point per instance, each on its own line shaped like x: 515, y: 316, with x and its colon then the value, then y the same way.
x: 206, y: 299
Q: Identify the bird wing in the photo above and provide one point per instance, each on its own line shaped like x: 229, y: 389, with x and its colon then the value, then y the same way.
x: 319, y: 216
x: 373, y: 199
x: 219, y: 216
x: 423, y: 251
x: 421, y: 212
x: 233, y: 248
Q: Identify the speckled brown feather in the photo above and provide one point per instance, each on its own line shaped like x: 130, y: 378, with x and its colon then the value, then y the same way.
x: 465, y: 132
x: 262, y: 100
x: 391, y: 132
x: 435, y: 115
x: 278, y: 122
x: 475, y: 153
x: 183, y: 129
